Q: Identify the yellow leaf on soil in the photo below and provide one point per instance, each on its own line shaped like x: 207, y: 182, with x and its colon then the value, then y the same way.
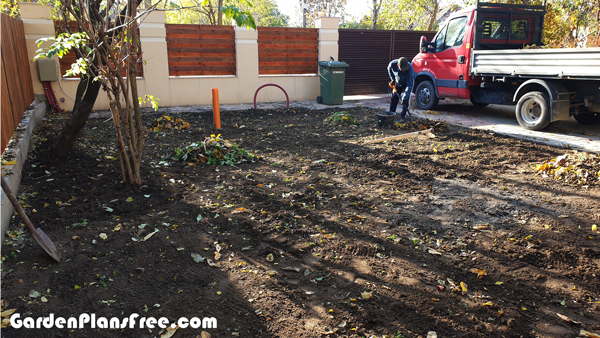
x: 480, y: 273
x: 366, y: 295
x: 488, y: 304
x: 170, y: 332
x: 463, y: 287
x: 7, y: 313
x: 118, y: 227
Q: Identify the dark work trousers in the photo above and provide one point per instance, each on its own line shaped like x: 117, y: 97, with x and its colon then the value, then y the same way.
x: 394, y: 102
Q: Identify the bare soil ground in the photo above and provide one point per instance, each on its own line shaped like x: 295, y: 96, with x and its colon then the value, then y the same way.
x: 323, y: 236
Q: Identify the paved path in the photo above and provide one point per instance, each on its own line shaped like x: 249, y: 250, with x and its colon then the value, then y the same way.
x: 500, y: 119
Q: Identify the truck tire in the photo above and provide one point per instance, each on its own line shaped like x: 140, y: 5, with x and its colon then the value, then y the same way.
x: 533, y: 111
x: 426, y: 96
x: 588, y: 119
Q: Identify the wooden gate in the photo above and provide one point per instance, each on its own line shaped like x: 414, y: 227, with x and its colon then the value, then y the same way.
x: 368, y: 52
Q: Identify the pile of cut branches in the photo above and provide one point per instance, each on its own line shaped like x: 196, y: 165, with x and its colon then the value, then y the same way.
x: 214, y: 150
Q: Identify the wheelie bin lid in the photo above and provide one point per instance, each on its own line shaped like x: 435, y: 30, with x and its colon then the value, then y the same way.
x: 334, y: 64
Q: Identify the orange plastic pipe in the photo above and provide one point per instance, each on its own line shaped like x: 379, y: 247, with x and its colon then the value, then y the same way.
x: 216, y: 111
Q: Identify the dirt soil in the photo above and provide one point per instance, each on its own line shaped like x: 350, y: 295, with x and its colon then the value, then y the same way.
x: 324, y: 235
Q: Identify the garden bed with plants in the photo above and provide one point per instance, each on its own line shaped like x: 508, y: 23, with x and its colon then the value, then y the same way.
x: 286, y: 223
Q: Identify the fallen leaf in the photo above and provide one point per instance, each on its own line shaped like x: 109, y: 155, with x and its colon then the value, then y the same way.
x: 488, y: 304
x: 289, y: 268
x: 270, y: 258
x: 129, y: 199
x: 434, y: 252
x: 9, y: 163
x: 211, y: 263
x: 588, y: 334
x: 594, y: 227
x: 75, y: 237
x: 7, y: 313
x: 480, y: 227
x: 103, y: 236
x: 117, y: 228
x: 197, y: 258
x: 217, y: 256
x: 150, y: 235
x: 563, y: 216
x: 567, y: 319
x: 246, y: 248
x: 204, y: 334
x: 435, y: 299
x: 480, y: 273
x: 499, y: 283
x: 44, y: 299
x: 366, y: 295
x: 5, y: 323
x: 34, y: 294
x: 463, y: 287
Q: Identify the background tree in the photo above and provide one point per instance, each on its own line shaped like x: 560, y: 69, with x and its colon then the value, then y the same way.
x: 318, y: 8
x: 375, y: 10
x: 410, y: 14
x: 267, y: 10
x: 268, y: 13
x: 107, y: 46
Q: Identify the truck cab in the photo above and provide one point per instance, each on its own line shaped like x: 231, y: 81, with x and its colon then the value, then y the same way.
x: 492, y: 54
x: 443, y: 66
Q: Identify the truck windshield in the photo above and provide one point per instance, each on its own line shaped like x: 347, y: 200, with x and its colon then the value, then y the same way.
x: 451, y: 35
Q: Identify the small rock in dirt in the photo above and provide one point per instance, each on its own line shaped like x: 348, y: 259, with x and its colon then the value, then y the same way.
x: 511, y: 323
x: 431, y: 334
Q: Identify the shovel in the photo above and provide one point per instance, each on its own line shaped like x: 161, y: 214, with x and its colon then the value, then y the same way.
x: 38, y: 234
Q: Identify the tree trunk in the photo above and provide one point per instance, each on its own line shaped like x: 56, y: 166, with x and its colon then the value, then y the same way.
x: 375, y: 13
x: 220, y: 14
x: 433, y: 15
x: 87, y: 92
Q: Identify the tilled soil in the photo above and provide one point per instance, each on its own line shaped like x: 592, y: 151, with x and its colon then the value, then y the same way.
x: 324, y: 235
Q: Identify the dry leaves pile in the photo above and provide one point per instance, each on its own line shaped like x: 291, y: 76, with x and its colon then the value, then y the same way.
x: 167, y: 122
x: 576, y: 168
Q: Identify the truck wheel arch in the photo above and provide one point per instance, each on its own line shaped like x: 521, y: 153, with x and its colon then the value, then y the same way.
x: 557, y: 93
x: 424, y: 76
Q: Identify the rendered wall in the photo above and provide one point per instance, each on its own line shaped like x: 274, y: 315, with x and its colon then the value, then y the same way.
x: 192, y: 90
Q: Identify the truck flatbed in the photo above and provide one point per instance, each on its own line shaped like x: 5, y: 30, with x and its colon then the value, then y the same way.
x: 555, y: 63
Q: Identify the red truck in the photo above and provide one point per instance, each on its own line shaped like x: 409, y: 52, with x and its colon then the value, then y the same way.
x: 480, y: 54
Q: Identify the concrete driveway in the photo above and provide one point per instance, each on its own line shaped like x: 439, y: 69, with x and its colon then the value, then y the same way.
x: 500, y: 119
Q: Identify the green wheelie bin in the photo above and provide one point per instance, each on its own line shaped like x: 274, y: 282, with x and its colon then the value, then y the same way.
x: 333, y: 74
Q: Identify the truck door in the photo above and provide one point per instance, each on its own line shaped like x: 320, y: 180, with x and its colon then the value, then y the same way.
x: 447, y: 62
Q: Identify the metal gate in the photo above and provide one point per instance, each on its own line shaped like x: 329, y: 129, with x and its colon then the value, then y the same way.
x: 368, y: 52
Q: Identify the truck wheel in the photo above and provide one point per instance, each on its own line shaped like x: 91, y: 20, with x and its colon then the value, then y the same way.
x: 426, y: 97
x: 533, y: 111
x: 588, y: 119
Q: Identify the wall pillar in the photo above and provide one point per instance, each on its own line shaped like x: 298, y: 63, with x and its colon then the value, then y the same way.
x: 37, y: 22
x: 246, y: 59
x: 328, y: 37
x: 156, y: 60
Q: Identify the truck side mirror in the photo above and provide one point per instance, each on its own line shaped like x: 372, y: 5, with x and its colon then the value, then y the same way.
x: 424, y: 46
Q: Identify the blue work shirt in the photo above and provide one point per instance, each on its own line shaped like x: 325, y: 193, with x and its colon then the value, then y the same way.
x: 405, y: 78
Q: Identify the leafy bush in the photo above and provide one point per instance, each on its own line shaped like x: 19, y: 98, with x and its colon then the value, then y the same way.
x: 341, y: 118
x: 214, y: 150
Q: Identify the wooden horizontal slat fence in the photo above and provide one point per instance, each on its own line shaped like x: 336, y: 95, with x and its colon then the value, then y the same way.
x: 66, y: 61
x: 288, y: 50
x: 200, y: 50
x: 17, y: 85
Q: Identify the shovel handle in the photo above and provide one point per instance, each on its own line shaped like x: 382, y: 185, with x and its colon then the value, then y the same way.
x: 18, y: 207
